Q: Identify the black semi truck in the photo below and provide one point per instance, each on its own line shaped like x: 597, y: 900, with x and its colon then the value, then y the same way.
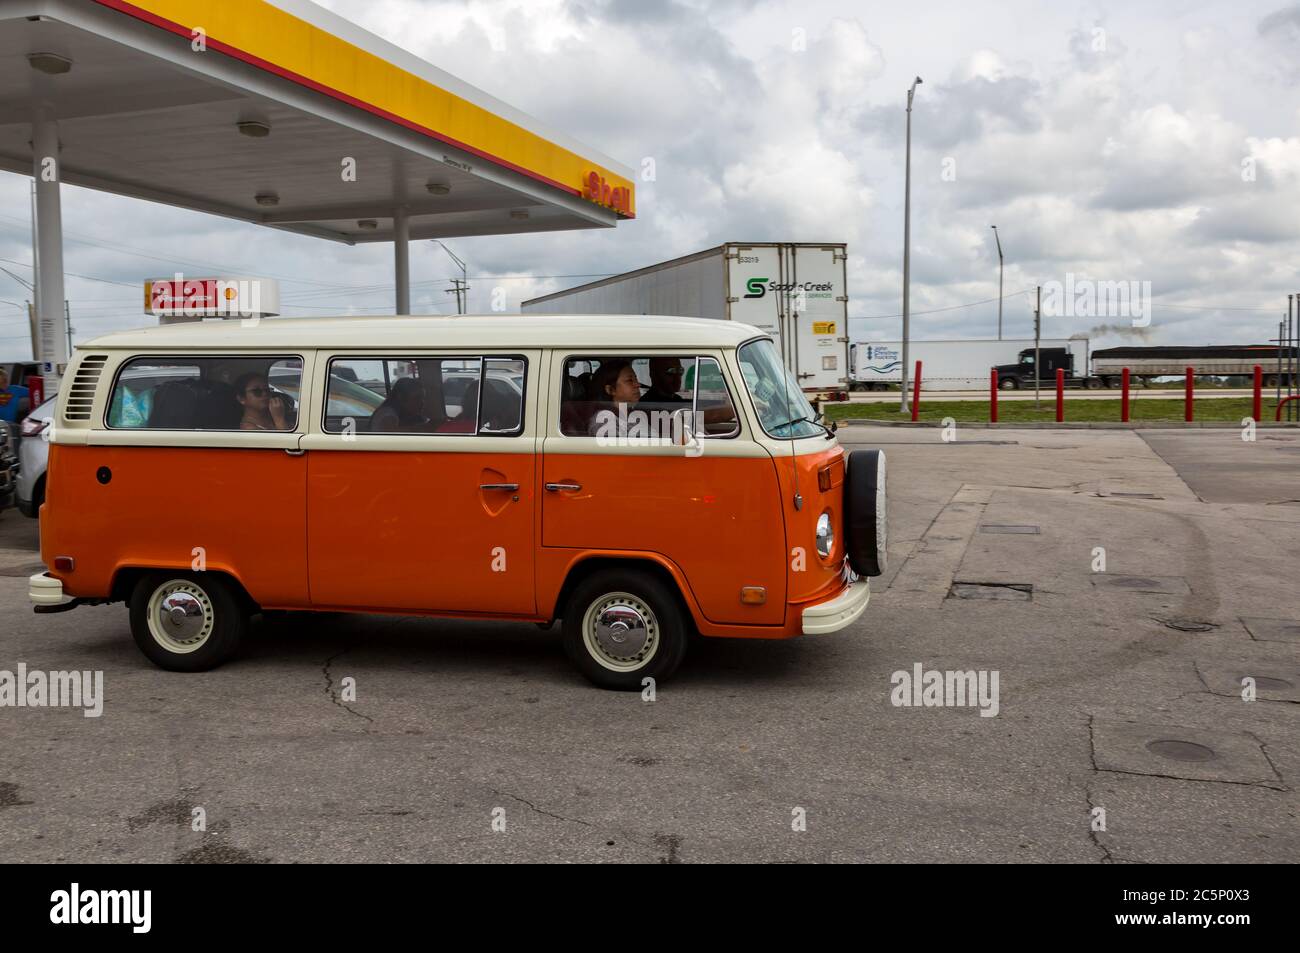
x: 1104, y: 368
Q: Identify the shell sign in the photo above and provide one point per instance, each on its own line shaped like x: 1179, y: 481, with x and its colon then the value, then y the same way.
x: 596, y: 189
x: 180, y: 297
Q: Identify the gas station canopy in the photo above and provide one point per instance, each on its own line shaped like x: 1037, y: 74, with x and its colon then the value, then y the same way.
x: 250, y: 109
x: 276, y: 112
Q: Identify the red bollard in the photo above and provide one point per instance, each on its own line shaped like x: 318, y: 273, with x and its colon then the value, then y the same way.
x: 1187, y: 413
x: 916, y: 392
x: 1259, y: 393
x: 1123, y: 412
x: 993, y: 396
x: 1060, y: 394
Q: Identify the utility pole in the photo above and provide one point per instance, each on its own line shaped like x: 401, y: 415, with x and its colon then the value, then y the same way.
x: 999, y: 241
x: 1278, y: 378
x: 907, y: 241
x: 1038, y: 327
x: 1290, y: 354
x: 460, y: 286
x: 31, y: 311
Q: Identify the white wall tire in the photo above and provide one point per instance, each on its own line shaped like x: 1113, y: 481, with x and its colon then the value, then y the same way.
x: 187, y: 622
x: 623, y: 626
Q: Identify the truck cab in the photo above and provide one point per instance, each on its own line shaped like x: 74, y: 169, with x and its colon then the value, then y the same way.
x: 1021, y: 374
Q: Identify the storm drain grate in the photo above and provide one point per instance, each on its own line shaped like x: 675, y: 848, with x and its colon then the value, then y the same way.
x: 1008, y: 528
x: 996, y: 591
x: 1167, y: 585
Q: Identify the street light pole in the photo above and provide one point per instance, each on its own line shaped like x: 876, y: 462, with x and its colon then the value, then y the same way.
x: 461, y: 284
x: 907, y: 241
x: 999, y: 241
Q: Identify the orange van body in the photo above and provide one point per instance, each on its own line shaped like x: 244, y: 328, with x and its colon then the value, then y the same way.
x: 487, y: 522
x: 321, y: 530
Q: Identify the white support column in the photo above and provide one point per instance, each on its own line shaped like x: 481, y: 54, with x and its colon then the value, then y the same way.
x: 402, y: 260
x: 51, y: 317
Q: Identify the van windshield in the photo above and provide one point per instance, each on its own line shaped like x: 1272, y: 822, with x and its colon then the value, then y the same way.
x: 782, y: 408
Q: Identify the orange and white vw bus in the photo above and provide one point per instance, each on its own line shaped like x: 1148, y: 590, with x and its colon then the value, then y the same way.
x: 643, y: 479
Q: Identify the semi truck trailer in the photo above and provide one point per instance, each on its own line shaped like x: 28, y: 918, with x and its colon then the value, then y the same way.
x: 794, y: 291
x: 945, y: 365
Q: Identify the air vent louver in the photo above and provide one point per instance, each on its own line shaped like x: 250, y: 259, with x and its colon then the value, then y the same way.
x: 81, y: 393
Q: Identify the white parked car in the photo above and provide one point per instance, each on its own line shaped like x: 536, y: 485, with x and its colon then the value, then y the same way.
x: 33, y: 455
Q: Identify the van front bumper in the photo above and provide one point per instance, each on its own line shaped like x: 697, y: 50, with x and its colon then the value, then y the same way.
x: 44, y: 590
x: 837, y: 613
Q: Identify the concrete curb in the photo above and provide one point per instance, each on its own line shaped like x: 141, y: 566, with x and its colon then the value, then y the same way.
x: 1076, y: 425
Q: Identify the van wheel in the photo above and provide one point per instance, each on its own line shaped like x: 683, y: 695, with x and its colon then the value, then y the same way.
x: 187, y: 622
x: 622, y: 626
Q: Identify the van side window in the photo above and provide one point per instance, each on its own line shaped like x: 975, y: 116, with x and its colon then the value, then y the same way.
x: 645, y: 396
x: 207, y: 393
x: 426, y: 395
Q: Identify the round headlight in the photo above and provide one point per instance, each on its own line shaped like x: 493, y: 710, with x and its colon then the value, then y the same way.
x: 825, y: 535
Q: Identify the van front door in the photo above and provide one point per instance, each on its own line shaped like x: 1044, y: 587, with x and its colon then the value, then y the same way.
x: 421, y: 484
x: 711, y: 506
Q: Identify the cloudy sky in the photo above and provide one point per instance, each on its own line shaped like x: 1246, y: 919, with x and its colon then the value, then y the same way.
x: 1115, y: 141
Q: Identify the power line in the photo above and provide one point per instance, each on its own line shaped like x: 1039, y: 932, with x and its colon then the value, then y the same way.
x: 955, y: 307
x: 206, y: 266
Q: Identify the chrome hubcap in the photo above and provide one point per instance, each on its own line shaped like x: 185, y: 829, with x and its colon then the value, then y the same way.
x: 180, y: 616
x: 621, y: 631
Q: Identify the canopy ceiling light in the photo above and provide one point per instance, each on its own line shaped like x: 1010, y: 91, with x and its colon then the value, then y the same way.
x: 254, y: 128
x: 50, y: 63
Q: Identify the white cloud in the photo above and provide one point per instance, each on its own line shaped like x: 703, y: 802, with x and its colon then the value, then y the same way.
x: 1120, y: 158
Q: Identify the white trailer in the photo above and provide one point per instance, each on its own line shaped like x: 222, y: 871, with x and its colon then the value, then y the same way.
x: 945, y: 365
x: 795, y: 292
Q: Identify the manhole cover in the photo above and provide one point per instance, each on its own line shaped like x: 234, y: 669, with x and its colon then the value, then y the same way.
x: 1187, y: 625
x: 1181, y: 750
x: 1008, y: 591
x: 1007, y: 528
x: 1270, y: 683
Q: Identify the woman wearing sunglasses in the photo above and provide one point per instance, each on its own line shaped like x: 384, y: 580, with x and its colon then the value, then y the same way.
x: 263, y: 408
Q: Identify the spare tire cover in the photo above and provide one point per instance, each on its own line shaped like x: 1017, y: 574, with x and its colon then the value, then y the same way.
x: 865, y: 527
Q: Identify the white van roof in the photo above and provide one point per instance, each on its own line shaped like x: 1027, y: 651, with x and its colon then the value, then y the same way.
x: 592, y: 331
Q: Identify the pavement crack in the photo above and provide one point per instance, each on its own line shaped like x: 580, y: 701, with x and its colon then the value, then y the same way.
x: 533, y: 807
x: 329, y: 686
x: 1177, y: 777
x: 1263, y: 748
x: 1107, y: 856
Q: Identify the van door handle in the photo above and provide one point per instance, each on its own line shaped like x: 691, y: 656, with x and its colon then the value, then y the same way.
x: 508, y: 487
x: 294, y: 453
x: 557, y: 487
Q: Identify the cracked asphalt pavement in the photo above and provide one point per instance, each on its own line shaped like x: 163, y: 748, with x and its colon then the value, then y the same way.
x: 1159, y: 588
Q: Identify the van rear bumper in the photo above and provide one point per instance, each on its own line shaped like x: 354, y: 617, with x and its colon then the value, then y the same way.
x: 837, y: 613
x: 44, y: 590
